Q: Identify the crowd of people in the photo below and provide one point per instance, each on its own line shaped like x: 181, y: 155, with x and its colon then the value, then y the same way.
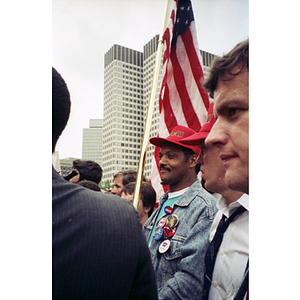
x: 193, y: 243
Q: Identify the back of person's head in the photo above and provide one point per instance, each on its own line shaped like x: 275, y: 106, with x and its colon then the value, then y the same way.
x: 61, y: 105
x: 128, y: 176
x: 226, y: 67
x: 88, y: 169
x: 128, y: 189
x: 148, y: 194
x: 89, y: 185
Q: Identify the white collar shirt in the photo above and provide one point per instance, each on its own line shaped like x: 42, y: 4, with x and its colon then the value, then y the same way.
x: 233, y: 253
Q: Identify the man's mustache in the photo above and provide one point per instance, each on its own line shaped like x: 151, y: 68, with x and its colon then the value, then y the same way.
x: 165, y: 168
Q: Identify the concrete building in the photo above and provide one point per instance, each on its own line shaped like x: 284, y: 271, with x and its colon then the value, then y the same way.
x: 92, y: 141
x: 123, y: 110
x: 148, y: 68
x: 66, y: 165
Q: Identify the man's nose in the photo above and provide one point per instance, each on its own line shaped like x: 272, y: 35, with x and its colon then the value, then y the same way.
x: 216, y: 136
x: 162, y: 160
x: 200, y: 158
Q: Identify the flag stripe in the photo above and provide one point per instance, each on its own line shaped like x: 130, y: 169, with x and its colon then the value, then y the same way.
x: 195, y: 66
x: 193, y: 80
x: 187, y: 108
x: 169, y: 116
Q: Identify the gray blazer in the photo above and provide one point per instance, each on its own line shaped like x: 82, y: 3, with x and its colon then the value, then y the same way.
x: 98, y: 248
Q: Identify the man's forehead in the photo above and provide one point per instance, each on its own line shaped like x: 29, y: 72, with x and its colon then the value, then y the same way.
x: 118, y: 179
x: 170, y: 147
x: 234, y: 92
x: 127, y: 196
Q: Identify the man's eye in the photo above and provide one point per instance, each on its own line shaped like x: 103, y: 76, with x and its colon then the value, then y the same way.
x: 233, y: 111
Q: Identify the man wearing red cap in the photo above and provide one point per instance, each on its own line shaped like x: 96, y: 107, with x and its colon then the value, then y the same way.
x: 178, y: 231
x: 231, y: 258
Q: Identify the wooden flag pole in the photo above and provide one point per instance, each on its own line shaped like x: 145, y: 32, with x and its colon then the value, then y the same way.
x: 147, y: 127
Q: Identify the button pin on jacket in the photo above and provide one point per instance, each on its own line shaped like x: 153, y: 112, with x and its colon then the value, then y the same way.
x: 168, y: 232
x: 161, y: 222
x: 164, y: 246
x: 158, y: 233
x: 168, y: 210
x: 172, y: 221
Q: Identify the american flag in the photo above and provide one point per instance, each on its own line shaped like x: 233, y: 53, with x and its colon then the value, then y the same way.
x: 182, y: 99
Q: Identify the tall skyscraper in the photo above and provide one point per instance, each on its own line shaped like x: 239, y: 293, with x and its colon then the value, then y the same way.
x: 123, y: 121
x: 148, y: 68
x: 128, y: 76
x: 92, y: 141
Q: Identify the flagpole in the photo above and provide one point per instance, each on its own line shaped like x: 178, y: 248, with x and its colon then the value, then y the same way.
x: 147, y: 127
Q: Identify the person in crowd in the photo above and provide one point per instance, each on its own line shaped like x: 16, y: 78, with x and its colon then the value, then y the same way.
x: 86, y: 170
x: 122, y: 178
x: 90, y: 185
x: 98, y: 248
x: 233, y: 253
x: 147, y: 199
x: 228, y: 84
x: 178, y: 231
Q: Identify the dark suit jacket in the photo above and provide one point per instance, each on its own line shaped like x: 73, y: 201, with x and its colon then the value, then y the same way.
x: 98, y: 248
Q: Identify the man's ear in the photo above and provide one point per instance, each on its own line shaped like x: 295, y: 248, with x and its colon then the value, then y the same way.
x: 147, y: 209
x: 193, y: 160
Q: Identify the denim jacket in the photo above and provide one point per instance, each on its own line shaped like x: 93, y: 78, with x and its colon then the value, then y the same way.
x: 180, y: 271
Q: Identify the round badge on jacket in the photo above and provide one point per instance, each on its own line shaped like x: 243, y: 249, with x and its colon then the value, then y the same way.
x: 172, y: 221
x: 161, y: 222
x: 168, y: 210
x: 158, y: 233
x: 168, y: 232
x: 164, y: 246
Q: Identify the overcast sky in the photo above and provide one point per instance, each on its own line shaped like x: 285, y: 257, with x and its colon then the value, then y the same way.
x: 84, y: 30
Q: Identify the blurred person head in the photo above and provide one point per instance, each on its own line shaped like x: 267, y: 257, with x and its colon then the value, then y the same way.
x: 228, y: 84
x: 87, y: 170
x: 89, y: 185
x: 147, y: 199
x: 122, y: 178
x: 61, y: 106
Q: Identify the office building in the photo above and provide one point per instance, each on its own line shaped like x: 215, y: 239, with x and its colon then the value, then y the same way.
x: 123, y: 120
x: 148, y: 68
x: 92, y: 141
x: 66, y: 165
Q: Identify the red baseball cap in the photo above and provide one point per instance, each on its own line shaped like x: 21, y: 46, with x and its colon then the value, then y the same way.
x: 176, y: 135
x: 204, y: 131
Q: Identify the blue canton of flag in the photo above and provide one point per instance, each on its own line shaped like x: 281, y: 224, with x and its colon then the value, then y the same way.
x: 184, y: 17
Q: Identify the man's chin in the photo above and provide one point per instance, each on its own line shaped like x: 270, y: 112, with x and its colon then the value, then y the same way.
x: 163, y: 180
x: 163, y: 183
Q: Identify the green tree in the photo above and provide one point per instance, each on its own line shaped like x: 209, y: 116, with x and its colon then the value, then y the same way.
x: 106, y: 185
